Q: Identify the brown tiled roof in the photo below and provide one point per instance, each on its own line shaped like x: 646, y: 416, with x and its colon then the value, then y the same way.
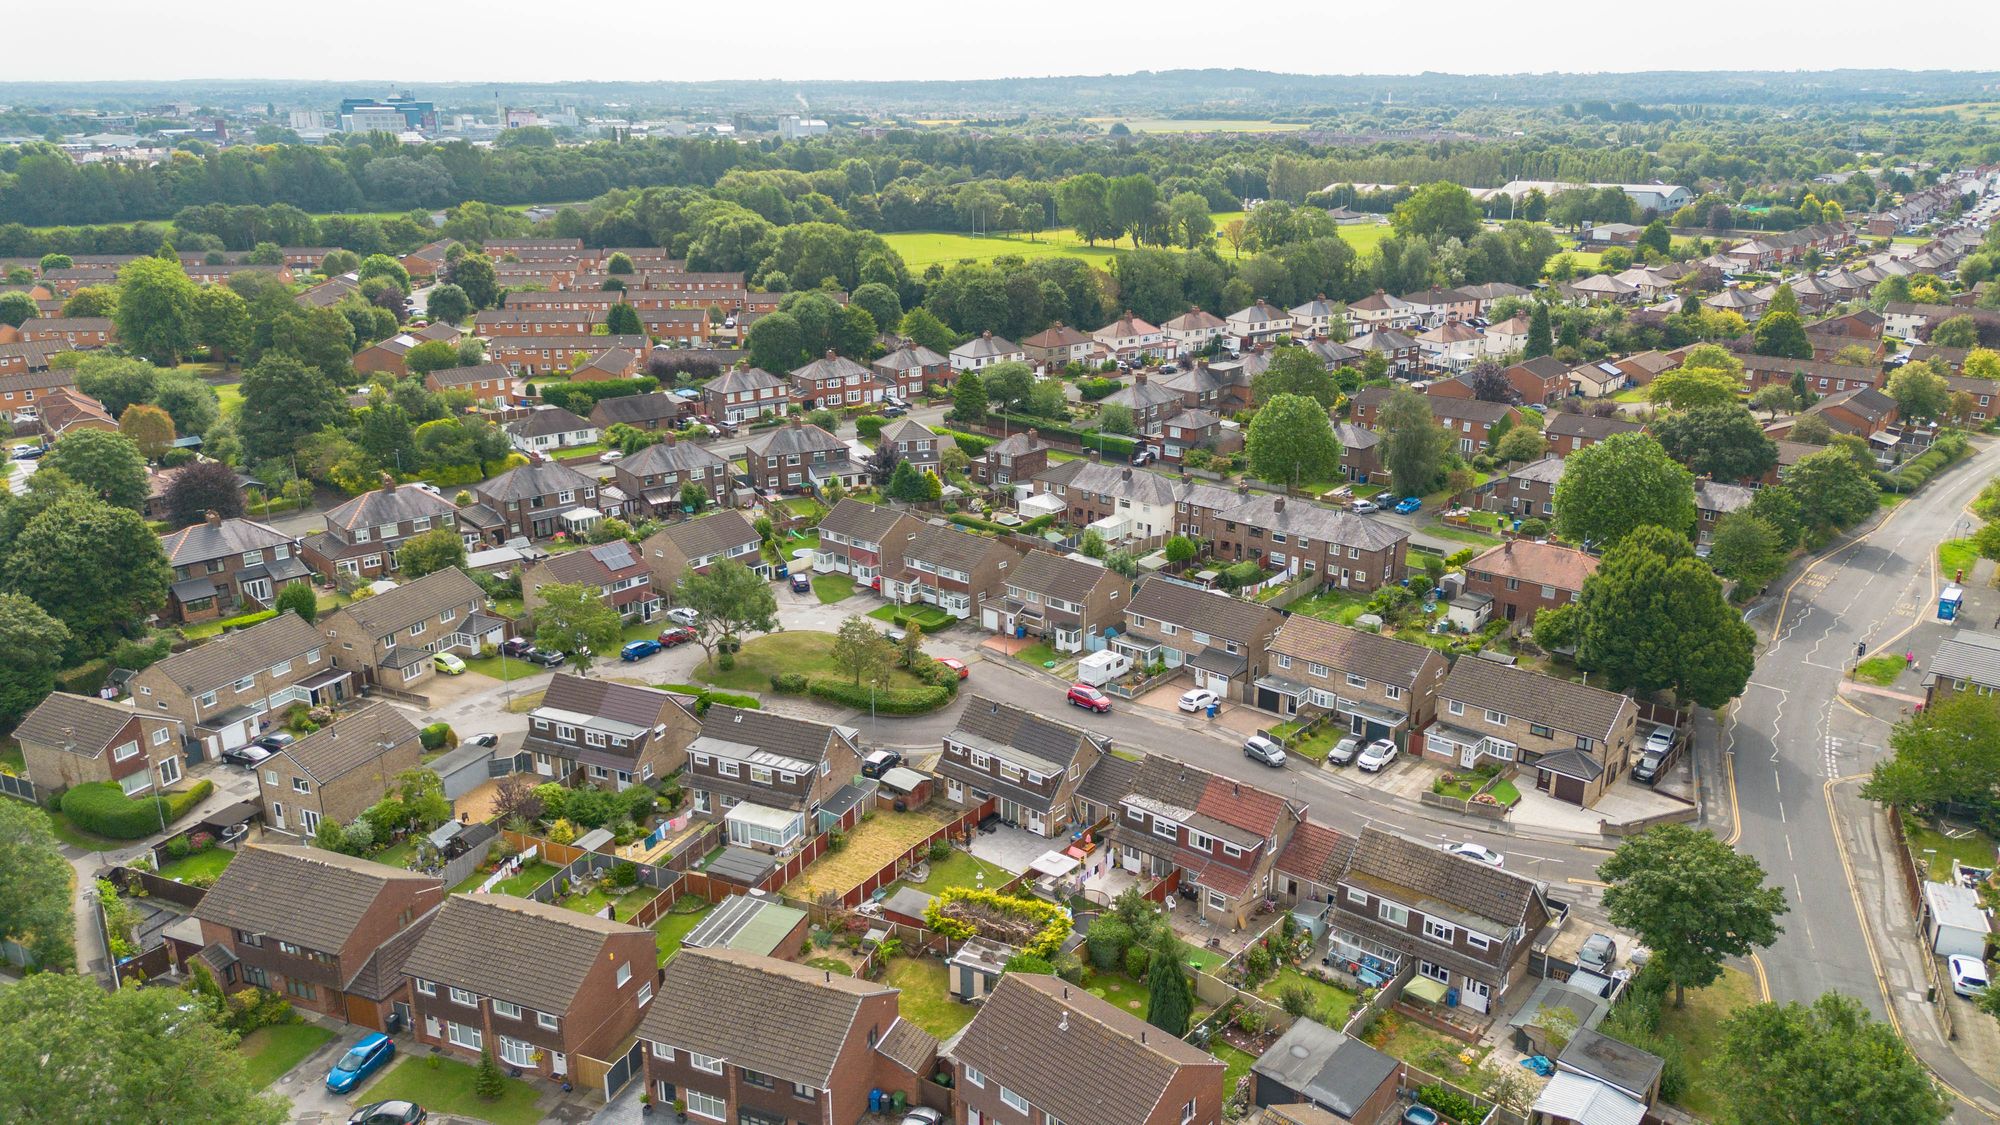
x: 712, y: 534
x: 353, y: 741
x: 1563, y: 704
x: 1409, y: 871
x: 79, y: 724
x: 304, y: 895
x: 477, y: 373
x: 1074, y: 1055
x: 382, y: 973
x: 1544, y: 564
x: 780, y: 734
x: 1387, y: 659
x: 626, y: 703
x: 529, y: 481
x: 1060, y: 576
x: 910, y: 1047
x: 233, y: 537
x: 517, y: 949
x: 1316, y: 853
x: 952, y: 547
x: 819, y: 1010
x: 858, y: 519
x: 1192, y: 607
x: 245, y: 652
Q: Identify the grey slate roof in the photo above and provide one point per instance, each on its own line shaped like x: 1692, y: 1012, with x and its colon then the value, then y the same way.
x: 907, y: 430
x: 309, y: 896
x: 952, y: 547
x: 1121, y: 481
x: 1564, y: 424
x: 796, y: 438
x: 477, y: 373
x: 743, y: 379
x: 609, y: 699
x: 858, y: 519
x: 830, y: 366
x: 1567, y: 706
x: 1714, y: 496
x: 593, y: 566
x: 528, y: 482
x: 232, y: 537
x: 1351, y: 436
x: 1139, y: 395
x: 1298, y: 517
x: 233, y: 656
x: 1326, y: 1067
x: 1061, y: 576
x: 415, y: 601
x: 1548, y: 471
x: 669, y: 457
x: 640, y: 408
x: 382, y: 973
x: 1377, y: 657
x: 547, y: 420
x: 79, y: 724
x: 517, y: 949
x: 1973, y: 657
x: 1191, y: 607
x: 803, y: 739
x: 353, y: 741
x: 909, y: 357
x: 711, y: 534
x: 1019, y: 735
x: 1412, y: 873
x: 819, y: 1008
x: 388, y: 505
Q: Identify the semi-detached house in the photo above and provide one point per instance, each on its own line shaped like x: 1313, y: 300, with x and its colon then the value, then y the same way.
x: 338, y: 771
x: 616, y: 735
x: 1575, y: 738
x: 616, y: 572
x: 766, y: 776
x: 864, y: 540
x: 956, y: 570
x: 388, y: 639
x: 1070, y: 601
x: 700, y: 544
x: 533, y: 501
x: 1373, y: 686
x: 221, y: 691
x: 227, y: 566
x: 1029, y: 765
x: 1220, y: 639
x: 363, y: 535
x: 1121, y: 503
x: 68, y: 740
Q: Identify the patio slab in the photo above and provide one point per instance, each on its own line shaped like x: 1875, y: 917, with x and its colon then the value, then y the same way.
x: 1011, y: 848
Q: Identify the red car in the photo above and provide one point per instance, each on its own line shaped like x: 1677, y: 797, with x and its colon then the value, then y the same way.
x: 673, y: 637
x: 1083, y: 695
x: 956, y: 665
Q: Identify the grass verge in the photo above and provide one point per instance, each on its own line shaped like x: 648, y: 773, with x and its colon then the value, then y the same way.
x: 269, y: 1053
x: 444, y: 1086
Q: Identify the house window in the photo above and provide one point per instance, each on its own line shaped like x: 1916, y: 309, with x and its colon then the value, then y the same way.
x: 663, y: 1051
x: 624, y: 974
x: 729, y: 769
x: 1284, y: 661
x: 758, y: 1079
x: 1540, y: 731
x: 1394, y: 915
x: 802, y: 1091
x: 645, y: 995
x: 1013, y: 1101
x: 516, y: 1053
x: 1497, y: 718
x: 1187, y: 1112
x: 1356, y: 894
x: 1478, y: 941
x: 1454, y: 706
x: 301, y: 785
x: 1166, y: 829
x: 301, y: 989
x: 706, y: 1105
x: 708, y: 1064
x: 461, y: 996
x: 1356, y: 681
x: 1436, y: 972
x: 461, y: 1035
x: 1392, y: 691
x: 131, y: 748
x: 1439, y: 931
x: 973, y: 1076
x: 426, y: 987
x: 505, y: 1008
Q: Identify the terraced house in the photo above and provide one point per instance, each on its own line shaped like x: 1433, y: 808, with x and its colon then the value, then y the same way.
x: 864, y: 540
x: 766, y: 776
x: 617, y: 735
x: 1069, y: 601
x: 221, y: 691
x: 338, y: 771
x: 387, y: 640
x: 954, y: 570
x: 1577, y: 739
x: 1029, y: 765
x: 1373, y: 686
x: 363, y: 535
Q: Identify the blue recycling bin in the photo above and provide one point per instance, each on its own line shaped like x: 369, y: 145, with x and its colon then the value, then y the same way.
x: 875, y: 1100
x: 1213, y: 708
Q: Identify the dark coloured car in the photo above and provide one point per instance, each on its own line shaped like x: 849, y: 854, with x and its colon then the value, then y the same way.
x: 516, y: 647
x: 638, y: 650
x: 246, y: 756
x: 880, y: 762
x: 544, y: 657
x: 363, y: 1059
x: 480, y: 740
x: 1651, y: 765
x: 389, y: 1113
x: 277, y: 740
x: 802, y: 583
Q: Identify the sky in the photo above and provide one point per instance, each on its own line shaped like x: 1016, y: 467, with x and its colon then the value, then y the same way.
x: 539, y: 41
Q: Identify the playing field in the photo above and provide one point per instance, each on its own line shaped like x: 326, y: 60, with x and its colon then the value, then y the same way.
x: 924, y: 248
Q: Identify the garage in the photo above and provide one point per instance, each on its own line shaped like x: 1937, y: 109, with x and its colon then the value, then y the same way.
x: 1567, y: 775
x: 990, y: 618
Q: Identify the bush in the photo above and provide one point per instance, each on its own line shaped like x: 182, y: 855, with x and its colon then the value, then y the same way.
x: 177, y: 848
x: 1295, y: 1000
x: 868, y: 427
x: 704, y: 696
x: 972, y: 444
x: 1535, y: 528
x: 790, y: 683
x: 103, y: 809
x: 1450, y: 1103
x: 885, y: 701
x: 1089, y: 439
x: 1137, y: 959
x: 438, y: 736
x: 1094, y: 389
x: 624, y: 873
x: 1108, y: 940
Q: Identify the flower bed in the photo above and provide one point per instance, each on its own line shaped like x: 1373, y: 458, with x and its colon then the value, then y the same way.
x: 1034, y: 926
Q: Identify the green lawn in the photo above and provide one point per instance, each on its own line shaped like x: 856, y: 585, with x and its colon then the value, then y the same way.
x: 76, y: 837
x: 11, y: 759
x: 444, y: 1086
x: 923, y: 248
x: 925, y: 1000
x: 833, y: 965
x: 674, y: 927
x: 1698, y: 1030
x: 1880, y: 670
x: 230, y: 396
x: 532, y: 875
x: 1955, y: 555
x: 1119, y: 990
x: 1462, y: 535
x: 1328, y: 1000
x: 1314, y: 746
x: 397, y: 855
x: 1238, y: 1063
x: 1974, y: 849
x: 831, y: 588
x: 506, y: 669
x: 1412, y: 1042
x: 961, y: 870
x: 1038, y: 654
x: 793, y: 651
x: 270, y: 1052
x: 1336, y: 606
x: 210, y: 862
x: 1633, y: 394
x: 627, y: 903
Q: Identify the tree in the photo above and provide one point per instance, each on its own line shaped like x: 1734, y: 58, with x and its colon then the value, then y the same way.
x: 1782, y: 334
x: 623, y: 320
x: 1045, y: 400
x: 1556, y: 627
x: 1746, y: 549
x: 1956, y: 332
x: 730, y: 599
x: 31, y: 648
x: 1296, y: 371
x: 906, y: 483
x: 1778, y: 508
x: 448, y: 304
x: 573, y: 620
x: 34, y: 888
x: 487, y: 1081
x: 1438, y: 210
x: 1115, y: 418
x: 1982, y: 363
x: 117, y: 382
x: 150, y: 429
x: 1657, y: 238
x: 1722, y: 441
x: 1693, y: 900
x: 619, y: 263
x: 69, y: 1051
x: 1709, y: 376
x: 1169, y: 991
x: 1833, y: 490
x: 1489, y: 384
x: 202, y: 487
x: 429, y: 356
x: 1082, y: 204
x: 968, y: 399
x: 1188, y: 216
x: 1181, y: 550
x: 299, y: 598
x: 1653, y: 618
x: 94, y: 567
x: 923, y: 327
x: 1921, y: 393
x: 1811, y: 429
x: 1236, y: 233
x: 1829, y: 1061
x: 1946, y: 754
x: 191, y: 403
x: 1413, y: 445
x: 1540, y: 340
x: 429, y: 552
x: 387, y: 268
x: 156, y: 310
x: 1291, y: 439
x: 221, y: 321
x: 1521, y: 443
x: 107, y: 464
x: 1619, y: 484
x: 92, y: 300
x: 283, y: 401
x: 17, y: 308
x: 861, y: 651
x: 474, y: 276
x: 1775, y: 399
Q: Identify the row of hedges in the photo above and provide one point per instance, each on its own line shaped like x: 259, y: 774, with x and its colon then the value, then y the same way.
x: 972, y: 444
x: 1028, y: 527
x: 103, y: 809
x: 869, y: 426
x: 580, y: 398
x: 1089, y: 439
x: 885, y: 701
x: 1918, y: 470
x: 928, y: 618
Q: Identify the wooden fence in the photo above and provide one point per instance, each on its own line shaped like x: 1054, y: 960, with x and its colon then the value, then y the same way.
x: 166, y: 890
x: 895, y: 868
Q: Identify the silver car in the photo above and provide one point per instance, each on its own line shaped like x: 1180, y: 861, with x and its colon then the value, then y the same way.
x: 1344, y: 751
x: 1264, y: 750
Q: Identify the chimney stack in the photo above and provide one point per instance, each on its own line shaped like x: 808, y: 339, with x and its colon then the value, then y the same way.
x: 1242, y: 490
x: 1139, y: 377
x: 1278, y: 505
x: 388, y: 482
x: 1094, y: 458
x: 213, y: 517
x: 1126, y: 475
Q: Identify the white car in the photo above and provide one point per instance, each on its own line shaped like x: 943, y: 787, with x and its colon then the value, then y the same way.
x: 1379, y: 754
x: 1660, y: 741
x: 1968, y: 975
x: 610, y: 455
x: 1198, y: 699
x: 1485, y: 855
x: 1363, y: 507
x: 682, y: 615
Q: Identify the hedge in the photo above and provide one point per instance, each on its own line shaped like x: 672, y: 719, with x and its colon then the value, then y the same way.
x: 1915, y: 472
x: 981, y: 524
x: 885, y: 701
x: 438, y: 736
x: 1094, y: 389
x: 102, y: 808
x: 790, y: 683
x: 580, y: 398
x: 972, y: 444
x: 704, y: 696
x: 869, y: 426
x: 1089, y: 439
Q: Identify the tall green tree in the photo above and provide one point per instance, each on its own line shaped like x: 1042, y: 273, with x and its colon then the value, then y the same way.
x: 1832, y: 488
x: 150, y: 429
x: 1296, y: 371
x: 299, y: 598
x: 429, y: 356
x: 1083, y: 204
x: 96, y: 568
x: 474, y: 276
x: 623, y: 320
x: 116, y: 381
x: 34, y: 887
x: 1781, y: 334
x: 1621, y: 483
x: 105, y: 462
x: 31, y: 650
x: 1709, y: 376
x: 1746, y: 549
x: 221, y: 321
x: 1806, y: 1065
x: 1291, y: 440
x: 573, y: 620
x: 730, y: 599
x: 1541, y: 341
x: 923, y: 326
x: 1438, y: 210
x: 156, y: 310
x: 448, y: 304
x: 968, y: 399
x: 1170, y: 993
x: 1946, y: 754
x: 1693, y: 900
x: 283, y: 401
x: 17, y: 309
x: 861, y: 651
x: 190, y: 402
x: 1956, y: 332
x: 1724, y: 442
x: 1653, y: 618
x: 1921, y: 393
x: 1413, y: 446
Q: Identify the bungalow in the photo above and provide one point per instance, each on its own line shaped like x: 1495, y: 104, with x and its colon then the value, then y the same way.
x: 1221, y: 639
x: 615, y: 570
x: 1597, y: 380
x: 766, y: 776
x: 1373, y: 686
x: 985, y: 350
x: 548, y: 429
x: 864, y: 540
x: 1029, y: 765
x: 1524, y: 577
x: 700, y: 544
x: 1069, y: 601
x: 388, y: 639
x: 1577, y: 739
x: 228, y: 566
x: 654, y: 412
x: 616, y: 734
x: 338, y: 771
x: 69, y: 740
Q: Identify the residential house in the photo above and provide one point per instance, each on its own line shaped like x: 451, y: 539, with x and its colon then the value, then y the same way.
x: 1333, y: 353
x: 536, y: 356
x: 915, y: 443
x: 841, y: 1045
x: 489, y: 384
x: 1436, y: 306
x: 26, y: 379
x: 363, y: 535
x: 338, y: 771
x: 1374, y: 686
x: 700, y: 544
x: 834, y: 381
x: 69, y: 740
x: 766, y: 776
x: 1577, y: 739
x: 616, y: 734
x: 744, y: 394
x: 1567, y: 432
x: 1402, y: 352
x: 1471, y: 421
x: 74, y: 333
x: 1821, y: 377
x: 607, y: 365
x: 1192, y: 331
x: 65, y: 410
x: 909, y: 369
x: 492, y: 323
x: 1507, y: 336
x: 328, y: 932
x: 1122, y: 503
x: 1316, y: 317
x: 220, y: 691
x: 1163, y: 818
x: 386, y: 357
x: 1221, y: 639
x: 1041, y: 1049
x: 686, y: 327
x: 1150, y: 403
x: 1059, y: 345
x: 551, y: 429
x: 1066, y: 600
x: 533, y: 502
x: 1714, y: 500
x: 1201, y: 386
x: 1014, y: 459
x: 1296, y: 537
x: 428, y: 260
x: 1260, y: 323
x: 1967, y: 662
x: 656, y: 412
x: 616, y: 571
x: 1642, y: 368
x: 1451, y: 346
x: 1360, y: 457
x: 1528, y: 492
x: 1130, y: 339
x: 1379, y: 310
x: 1190, y: 430
x: 224, y: 567
x: 1310, y: 866
x: 539, y: 986
x: 864, y: 540
x: 1524, y: 577
x: 951, y: 568
x: 1597, y: 380
x: 1861, y: 411
x: 655, y: 478
x: 1465, y: 924
x: 1541, y: 381
x: 801, y: 457
x: 1743, y: 302
x: 387, y: 640
x: 1029, y: 765
x: 1316, y: 1067
x: 985, y: 350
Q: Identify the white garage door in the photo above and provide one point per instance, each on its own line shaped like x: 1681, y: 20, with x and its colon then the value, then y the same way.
x: 991, y: 619
x: 237, y: 734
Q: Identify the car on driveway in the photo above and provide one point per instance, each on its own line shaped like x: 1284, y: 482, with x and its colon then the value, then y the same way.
x: 610, y: 455
x: 879, y: 762
x: 366, y: 1057
x: 488, y: 739
x: 389, y: 1113
x: 1198, y: 699
x: 28, y: 452
x: 1343, y: 752
x: 277, y: 740
x: 1598, y: 953
x: 448, y: 664
x: 923, y: 1115
x: 1378, y: 755
x: 1652, y: 763
x: 246, y: 756
x: 1409, y: 504
x: 802, y: 583
x: 1363, y: 507
x: 1481, y: 853
x: 1261, y: 749
x: 638, y: 650
x: 674, y: 638
x: 1968, y: 975
x: 1089, y: 698
x: 1660, y: 741
x: 682, y: 615
x: 544, y: 658
x: 516, y: 647
x: 956, y: 665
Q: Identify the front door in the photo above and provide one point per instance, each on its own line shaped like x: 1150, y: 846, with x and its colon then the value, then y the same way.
x: 401, y: 1013
x: 1131, y: 862
x: 1476, y: 995
x: 1467, y: 754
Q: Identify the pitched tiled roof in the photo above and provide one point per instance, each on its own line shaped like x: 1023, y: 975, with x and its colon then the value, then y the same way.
x: 830, y: 366
x: 905, y: 430
x: 669, y: 456
x: 1469, y: 409
x: 1542, y: 564
x: 985, y: 345
x: 1865, y: 401
x: 858, y: 519
x: 351, y: 742
x: 640, y: 408
x: 1073, y: 1055
x: 1062, y: 576
x: 245, y: 652
x: 477, y: 373
x: 1316, y: 853
x: 1057, y: 335
x: 232, y: 537
x: 1410, y: 871
x: 952, y: 547
x: 530, y: 481
x: 744, y: 379
x: 819, y: 1010
x: 1121, y: 481
x: 1974, y: 657
x: 517, y: 949
x: 1192, y: 607
x: 1300, y: 517
x: 382, y: 973
x: 593, y: 566
x: 803, y: 739
x: 1385, y: 659
x: 1563, y: 704
x: 546, y: 420
x: 1564, y: 424
x: 1021, y: 736
x: 712, y: 534
x: 1193, y: 320
x: 394, y: 504
x: 796, y: 438
x: 80, y: 724
x: 308, y: 896
x: 1714, y: 496
x: 625, y: 703
x: 415, y: 601
x: 908, y: 357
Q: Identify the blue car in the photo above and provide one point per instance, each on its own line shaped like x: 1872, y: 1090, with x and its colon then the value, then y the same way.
x: 368, y: 1056
x: 1409, y: 504
x: 638, y: 650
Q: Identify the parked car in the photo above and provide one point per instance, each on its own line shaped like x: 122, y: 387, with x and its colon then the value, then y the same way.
x: 610, y: 455
x: 1409, y: 504
x: 447, y: 663
x: 516, y: 646
x: 487, y: 739
x: 1089, y: 698
x: 246, y: 756
x: 1261, y: 749
x: 1363, y: 507
x: 26, y: 452
x: 682, y: 615
x: 1598, y: 953
x: 802, y: 583
x: 1483, y: 854
x: 923, y: 1115
x: 1144, y: 455
x: 389, y: 1113
x: 363, y: 1059
x: 1968, y: 975
x: 956, y: 665
x: 1343, y: 752
x: 1198, y: 699
x: 638, y: 650
x: 277, y: 740
x: 879, y: 762
x: 1652, y: 763
x: 674, y: 638
x: 426, y: 486
x: 1378, y: 755
x: 544, y: 658
x: 893, y: 410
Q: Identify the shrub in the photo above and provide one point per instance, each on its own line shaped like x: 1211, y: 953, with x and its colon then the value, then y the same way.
x: 940, y: 850
x: 1094, y: 389
x: 1256, y: 961
x: 438, y: 736
x: 1108, y: 941
x: 624, y: 873
x: 1535, y: 528
x: 1038, y: 927
x: 1137, y: 959
x: 177, y: 848
x: 790, y: 683
x: 885, y: 701
x: 972, y: 444
x: 1449, y: 1103
x: 869, y: 426
x: 100, y: 807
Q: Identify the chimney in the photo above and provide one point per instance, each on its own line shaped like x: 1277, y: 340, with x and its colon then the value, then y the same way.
x: 1507, y: 548
x: 1278, y: 505
x: 1094, y: 458
x: 986, y: 335
x: 1242, y: 490
x: 1126, y: 475
x: 388, y: 483
x: 1139, y: 378
x: 213, y: 517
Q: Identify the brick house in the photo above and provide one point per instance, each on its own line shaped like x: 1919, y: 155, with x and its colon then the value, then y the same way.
x: 1127, y: 504
x: 1374, y: 686
x: 1190, y: 430
x: 1714, y: 500
x: 1360, y: 456
x: 1821, y: 378
x: 1541, y: 381
x: 1058, y: 345
x: 1862, y: 411
x: 537, y: 356
x: 65, y: 411
x: 220, y: 691
x: 744, y: 394
x: 616, y: 570
x: 1965, y: 663
x: 834, y: 381
x: 24, y: 383
x: 617, y: 735
x: 1465, y: 925
x: 801, y: 457
x: 549, y: 430
x: 68, y: 740
x: 701, y: 543
x: 534, y: 502
x: 1524, y: 577
x: 487, y: 383
x: 608, y: 365
x: 956, y: 570
x: 386, y: 356
x: 864, y: 540
x: 1402, y: 352
x: 1567, y: 432
x: 842, y: 1041
x: 363, y: 535
x: 1309, y: 868
x: 915, y: 443
x: 1576, y: 739
x: 538, y: 985
x: 910, y: 369
x: 1030, y: 765
x: 653, y: 478
x: 765, y: 776
x: 228, y: 566
x: 1294, y: 537
x: 328, y: 932
x: 655, y: 412
x: 389, y: 638
x: 74, y: 333
x: 1063, y: 599
x: 1470, y: 421
x: 682, y: 327
x: 1150, y: 403
x: 1131, y: 339
x: 1219, y: 638
x: 338, y: 771
x: 493, y: 323
x: 1014, y: 459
